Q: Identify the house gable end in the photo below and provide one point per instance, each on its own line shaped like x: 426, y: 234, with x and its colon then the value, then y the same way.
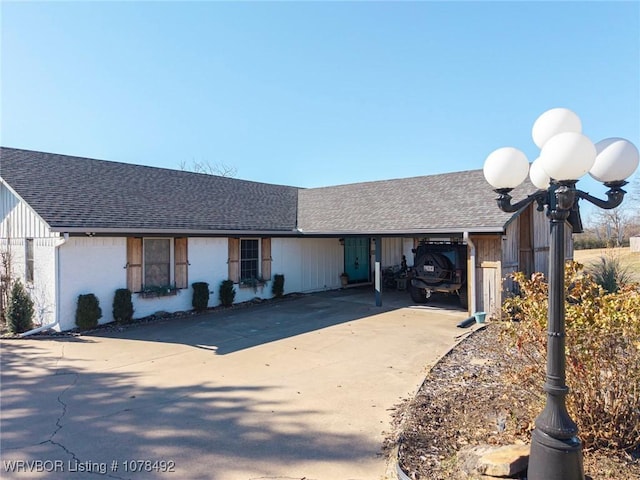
x: 18, y: 219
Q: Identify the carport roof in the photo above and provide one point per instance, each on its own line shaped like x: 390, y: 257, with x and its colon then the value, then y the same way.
x: 435, y: 204
x: 75, y: 194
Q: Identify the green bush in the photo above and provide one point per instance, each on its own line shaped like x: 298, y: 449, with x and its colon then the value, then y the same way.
x: 19, y: 312
x: 200, y: 300
x: 278, y: 285
x: 227, y: 293
x: 603, y: 355
x: 88, y: 311
x: 122, y: 306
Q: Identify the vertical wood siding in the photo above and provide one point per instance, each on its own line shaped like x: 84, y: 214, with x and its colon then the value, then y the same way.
x: 181, y: 260
x: 18, y: 220
x: 488, y: 273
x: 265, y: 270
x: 541, y: 233
x: 134, y: 264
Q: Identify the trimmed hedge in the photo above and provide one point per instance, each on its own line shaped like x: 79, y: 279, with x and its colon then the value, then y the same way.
x: 88, y: 311
x: 122, y: 306
x: 200, y: 300
x: 278, y: 285
x: 227, y: 293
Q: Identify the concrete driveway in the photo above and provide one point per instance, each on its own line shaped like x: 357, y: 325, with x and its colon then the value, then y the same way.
x: 301, y: 388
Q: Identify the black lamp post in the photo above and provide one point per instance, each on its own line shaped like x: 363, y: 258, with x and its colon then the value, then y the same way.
x: 556, y: 450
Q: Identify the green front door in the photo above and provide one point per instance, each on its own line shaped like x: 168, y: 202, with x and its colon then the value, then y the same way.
x: 356, y: 259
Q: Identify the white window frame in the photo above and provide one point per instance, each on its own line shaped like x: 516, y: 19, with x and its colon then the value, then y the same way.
x: 29, y: 260
x: 259, y: 259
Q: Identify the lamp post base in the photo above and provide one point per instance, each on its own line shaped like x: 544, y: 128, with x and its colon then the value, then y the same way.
x: 554, y: 459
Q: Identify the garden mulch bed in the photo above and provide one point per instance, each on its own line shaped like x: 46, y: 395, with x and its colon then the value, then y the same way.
x: 465, y: 400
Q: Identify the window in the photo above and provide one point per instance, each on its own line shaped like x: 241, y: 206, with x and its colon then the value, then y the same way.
x: 249, y: 259
x: 157, y: 262
x: 29, y: 264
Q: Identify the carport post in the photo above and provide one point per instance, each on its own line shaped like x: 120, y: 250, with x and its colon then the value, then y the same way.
x: 377, y: 271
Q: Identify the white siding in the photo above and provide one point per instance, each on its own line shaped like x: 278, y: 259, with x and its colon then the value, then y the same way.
x: 308, y: 264
x: 392, y: 251
x: 18, y: 219
x: 18, y: 222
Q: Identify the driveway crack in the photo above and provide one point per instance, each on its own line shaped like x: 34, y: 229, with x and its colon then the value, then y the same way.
x: 75, y: 461
x: 61, y: 417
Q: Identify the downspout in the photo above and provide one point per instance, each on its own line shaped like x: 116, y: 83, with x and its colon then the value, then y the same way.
x: 60, y: 241
x: 471, y: 279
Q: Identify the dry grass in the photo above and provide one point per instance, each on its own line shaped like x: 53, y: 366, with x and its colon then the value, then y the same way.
x: 631, y: 260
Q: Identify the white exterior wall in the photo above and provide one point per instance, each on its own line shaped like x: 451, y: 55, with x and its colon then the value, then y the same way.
x: 96, y: 265
x: 90, y: 265
x: 43, y: 288
x: 17, y: 223
x: 308, y: 264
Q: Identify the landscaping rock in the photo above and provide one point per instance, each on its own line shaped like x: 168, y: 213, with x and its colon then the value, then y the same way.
x: 491, y: 461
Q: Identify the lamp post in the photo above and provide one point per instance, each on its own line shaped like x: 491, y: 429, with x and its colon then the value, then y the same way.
x: 565, y: 156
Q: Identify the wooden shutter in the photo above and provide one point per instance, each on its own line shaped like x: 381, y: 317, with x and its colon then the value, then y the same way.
x: 234, y: 259
x: 265, y: 271
x: 181, y: 261
x: 134, y: 264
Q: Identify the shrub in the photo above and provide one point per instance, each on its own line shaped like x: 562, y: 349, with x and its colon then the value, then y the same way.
x: 278, y: 285
x: 603, y: 355
x: 122, y: 306
x: 200, y: 300
x: 610, y: 273
x: 88, y: 311
x: 19, y: 312
x: 227, y: 293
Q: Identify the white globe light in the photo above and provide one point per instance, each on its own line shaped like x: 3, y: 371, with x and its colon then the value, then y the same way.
x: 552, y: 122
x: 616, y: 160
x: 506, y: 167
x: 538, y: 176
x: 567, y: 156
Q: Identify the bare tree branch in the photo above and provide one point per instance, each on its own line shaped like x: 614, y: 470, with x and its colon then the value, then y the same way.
x: 205, y: 166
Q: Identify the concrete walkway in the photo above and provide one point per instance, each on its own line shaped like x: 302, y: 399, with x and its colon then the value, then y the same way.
x: 293, y: 389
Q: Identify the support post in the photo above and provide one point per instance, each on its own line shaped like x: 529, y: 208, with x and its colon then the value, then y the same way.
x: 378, y: 273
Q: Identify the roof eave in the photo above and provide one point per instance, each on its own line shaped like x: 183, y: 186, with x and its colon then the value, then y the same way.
x: 170, y: 231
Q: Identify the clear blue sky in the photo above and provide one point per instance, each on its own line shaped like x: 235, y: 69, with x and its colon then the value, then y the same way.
x: 313, y: 94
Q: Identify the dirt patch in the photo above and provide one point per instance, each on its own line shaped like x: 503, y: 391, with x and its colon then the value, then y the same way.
x: 464, y: 400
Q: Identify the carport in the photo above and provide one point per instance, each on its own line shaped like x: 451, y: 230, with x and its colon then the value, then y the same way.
x: 397, y: 214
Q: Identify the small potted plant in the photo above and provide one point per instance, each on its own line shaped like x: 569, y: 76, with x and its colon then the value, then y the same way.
x: 344, y: 278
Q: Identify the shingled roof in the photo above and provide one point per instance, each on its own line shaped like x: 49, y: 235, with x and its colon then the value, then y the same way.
x: 447, y: 203
x: 80, y: 194
x: 74, y: 194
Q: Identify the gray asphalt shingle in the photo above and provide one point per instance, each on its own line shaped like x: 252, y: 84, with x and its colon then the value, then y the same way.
x: 74, y: 193
x: 451, y: 202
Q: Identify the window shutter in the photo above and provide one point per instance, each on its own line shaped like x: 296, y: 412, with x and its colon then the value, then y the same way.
x: 181, y: 260
x: 266, y: 259
x: 134, y: 264
x: 234, y: 259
